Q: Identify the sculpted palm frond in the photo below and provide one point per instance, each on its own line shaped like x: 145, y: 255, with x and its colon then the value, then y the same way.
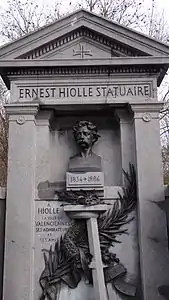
x: 111, y: 221
x: 58, y: 267
x: 71, y: 256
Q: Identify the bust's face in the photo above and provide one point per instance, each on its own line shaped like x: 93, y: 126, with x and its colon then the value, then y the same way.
x: 84, y: 137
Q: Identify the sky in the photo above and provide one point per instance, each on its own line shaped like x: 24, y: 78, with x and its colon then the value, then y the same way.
x: 162, y: 4
x: 65, y: 5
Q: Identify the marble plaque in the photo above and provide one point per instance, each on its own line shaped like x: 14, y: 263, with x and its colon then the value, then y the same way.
x: 50, y: 222
x: 87, y: 180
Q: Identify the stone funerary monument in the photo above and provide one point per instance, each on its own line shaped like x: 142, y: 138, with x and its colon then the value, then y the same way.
x: 84, y: 217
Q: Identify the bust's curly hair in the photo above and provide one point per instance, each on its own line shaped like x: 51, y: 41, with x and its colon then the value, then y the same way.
x: 90, y: 126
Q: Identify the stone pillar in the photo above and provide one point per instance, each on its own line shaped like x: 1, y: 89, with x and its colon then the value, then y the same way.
x: 90, y: 214
x: 19, y: 203
x: 129, y: 242
x: 43, y: 153
x: 152, y: 226
x: 126, y: 134
x: 96, y: 264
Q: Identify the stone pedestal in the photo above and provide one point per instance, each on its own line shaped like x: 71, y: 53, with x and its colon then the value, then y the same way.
x: 90, y: 213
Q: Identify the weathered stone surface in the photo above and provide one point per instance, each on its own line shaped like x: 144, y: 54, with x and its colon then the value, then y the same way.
x: 49, y: 223
x: 152, y: 226
x: 2, y: 234
x: 83, y: 67
x: 20, y: 194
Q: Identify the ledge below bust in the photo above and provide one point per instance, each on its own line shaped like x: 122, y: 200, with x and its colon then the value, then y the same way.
x: 83, y: 211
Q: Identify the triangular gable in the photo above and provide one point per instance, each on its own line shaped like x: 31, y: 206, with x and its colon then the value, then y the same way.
x: 84, y: 40
x: 77, y: 29
x: 82, y: 43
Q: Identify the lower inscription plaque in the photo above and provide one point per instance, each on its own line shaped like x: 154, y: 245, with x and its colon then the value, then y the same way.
x: 50, y: 221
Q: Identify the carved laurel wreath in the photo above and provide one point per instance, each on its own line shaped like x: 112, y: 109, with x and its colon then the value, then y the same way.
x: 70, y: 258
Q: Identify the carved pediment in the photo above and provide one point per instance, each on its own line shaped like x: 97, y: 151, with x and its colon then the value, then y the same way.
x: 83, y: 35
x: 87, y: 43
x: 82, y: 44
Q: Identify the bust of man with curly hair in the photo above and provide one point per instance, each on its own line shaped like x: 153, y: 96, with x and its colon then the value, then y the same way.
x: 85, y: 134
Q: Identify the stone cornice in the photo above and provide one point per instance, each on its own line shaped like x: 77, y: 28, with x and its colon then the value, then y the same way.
x: 146, y: 111
x: 44, y: 118
x: 108, y: 70
x: 146, y: 107
x: 114, y: 61
x: 22, y: 109
x: 156, y: 65
x: 123, y: 115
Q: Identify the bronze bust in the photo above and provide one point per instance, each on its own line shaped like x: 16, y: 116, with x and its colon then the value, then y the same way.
x: 85, y: 134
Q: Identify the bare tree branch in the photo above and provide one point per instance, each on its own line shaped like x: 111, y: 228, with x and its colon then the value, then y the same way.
x: 24, y: 16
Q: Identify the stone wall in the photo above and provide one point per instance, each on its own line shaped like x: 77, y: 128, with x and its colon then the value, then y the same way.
x: 2, y: 232
x: 166, y: 207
